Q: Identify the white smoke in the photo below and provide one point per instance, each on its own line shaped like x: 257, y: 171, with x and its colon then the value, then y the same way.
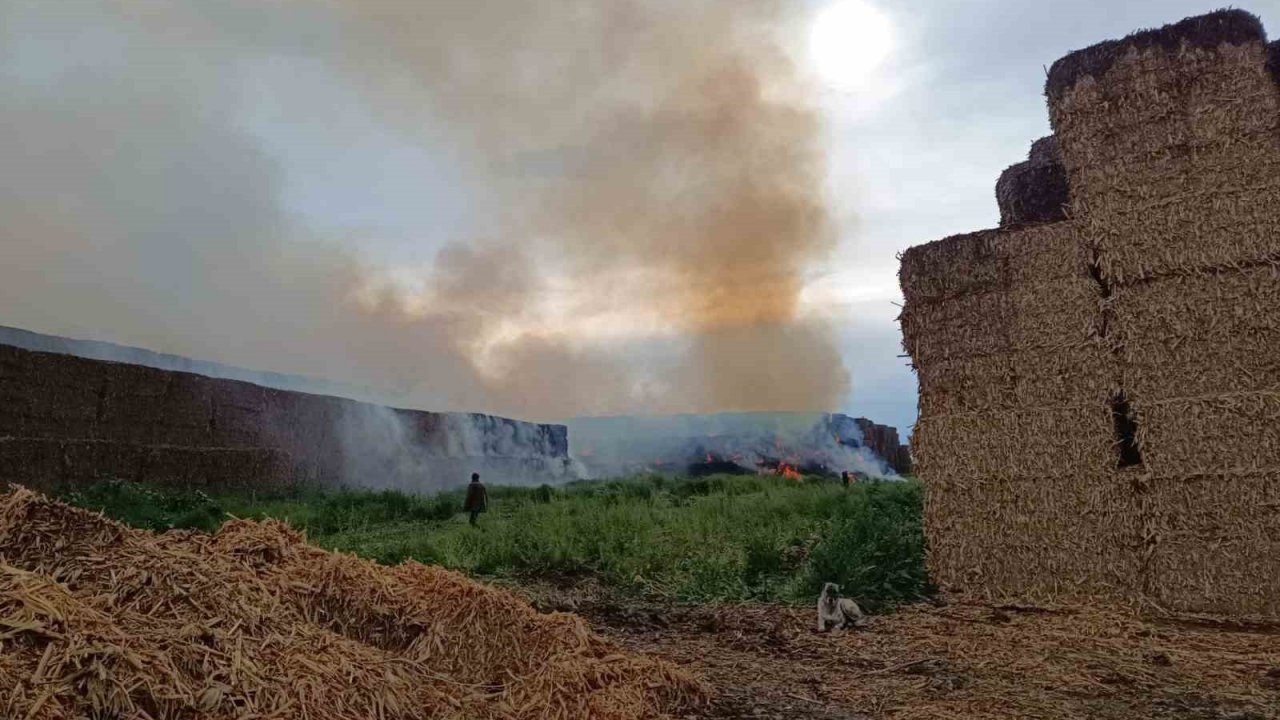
x: 424, y: 453
x: 617, y: 446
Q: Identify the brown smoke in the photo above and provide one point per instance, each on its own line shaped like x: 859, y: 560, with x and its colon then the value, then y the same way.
x: 650, y: 179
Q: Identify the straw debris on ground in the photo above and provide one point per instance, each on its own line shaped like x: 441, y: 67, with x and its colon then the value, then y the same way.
x: 99, y: 620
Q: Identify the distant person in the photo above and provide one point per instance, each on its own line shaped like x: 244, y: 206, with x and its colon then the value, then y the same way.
x: 846, y: 477
x: 477, y: 498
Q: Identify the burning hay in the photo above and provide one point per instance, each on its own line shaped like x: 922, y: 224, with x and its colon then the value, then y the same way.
x: 1101, y: 373
x: 102, y: 620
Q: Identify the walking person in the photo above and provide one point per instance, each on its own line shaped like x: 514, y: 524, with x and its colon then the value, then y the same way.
x: 477, y: 498
x: 845, y: 477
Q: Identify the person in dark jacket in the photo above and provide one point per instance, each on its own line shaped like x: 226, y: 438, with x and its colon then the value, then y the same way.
x: 846, y: 477
x: 477, y: 498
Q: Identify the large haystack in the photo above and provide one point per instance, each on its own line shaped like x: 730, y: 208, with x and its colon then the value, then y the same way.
x: 1098, y: 389
x: 100, y: 620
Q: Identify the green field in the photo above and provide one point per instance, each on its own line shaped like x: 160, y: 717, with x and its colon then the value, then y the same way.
x: 719, y: 538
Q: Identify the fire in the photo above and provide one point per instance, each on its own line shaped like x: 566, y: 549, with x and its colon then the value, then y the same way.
x: 788, y: 471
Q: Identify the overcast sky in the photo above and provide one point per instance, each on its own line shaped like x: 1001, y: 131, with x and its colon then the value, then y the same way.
x: 914, y: 150
x: 966, y: 101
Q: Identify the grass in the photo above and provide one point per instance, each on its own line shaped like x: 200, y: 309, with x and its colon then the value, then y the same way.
x: 717, y: 538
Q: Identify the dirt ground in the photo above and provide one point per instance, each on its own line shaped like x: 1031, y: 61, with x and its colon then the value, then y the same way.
x: 953, y: 661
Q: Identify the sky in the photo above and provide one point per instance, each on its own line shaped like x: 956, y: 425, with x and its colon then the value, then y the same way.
x: 311, y: 160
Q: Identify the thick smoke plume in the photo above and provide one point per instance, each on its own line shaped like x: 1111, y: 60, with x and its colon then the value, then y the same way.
x: 646, y: 182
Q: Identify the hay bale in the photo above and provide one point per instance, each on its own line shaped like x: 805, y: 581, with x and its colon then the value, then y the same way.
x: 1234, y: 432
x: 84, y: 461
x: 1064, y: 313
x: 1204, y: 334
x: 957, y: 265
x: 131, y: 402
x: 1203, y: 32
x: 237, y: 414
x: 13, y: 407
x: 1216, y: 543
x: 1042, y: 253
x: 1170, y: 144
x: 964, y: 326
x: 1158, y: 295
x: 33, y: 461
x: 1034, y: 190
x: 1033, y: 443
x: 185, y: 415
x: 976, y: 384
x: 1057, y: 378
x: 1048, y: 539
x: 62, y: 396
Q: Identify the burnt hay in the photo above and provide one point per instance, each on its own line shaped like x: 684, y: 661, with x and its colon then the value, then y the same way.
x: 1098, y: 393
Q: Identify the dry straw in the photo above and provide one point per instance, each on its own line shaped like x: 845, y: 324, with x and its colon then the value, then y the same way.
x: 1196, y: 335
x: 1215, y: 543
x: 1034, y: 191
x: 1171, y: 146
x: 1023, y: 444
x: 1226, y: 432
x: 1050, y: 539
x: 1160, y: 289
x: 98, y: 620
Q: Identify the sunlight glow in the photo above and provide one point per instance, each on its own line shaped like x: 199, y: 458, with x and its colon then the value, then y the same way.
x: 849, y: 39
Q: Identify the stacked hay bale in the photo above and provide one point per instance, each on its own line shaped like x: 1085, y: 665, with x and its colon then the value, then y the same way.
x: 1114, y: 373
x: 1004, y: 326
x: 1172, y: 146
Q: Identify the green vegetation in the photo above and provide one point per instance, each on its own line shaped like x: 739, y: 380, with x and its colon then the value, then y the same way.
x: 718, y: 538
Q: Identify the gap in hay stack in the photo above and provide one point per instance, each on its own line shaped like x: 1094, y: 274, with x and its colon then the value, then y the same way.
x: 1048, y: 540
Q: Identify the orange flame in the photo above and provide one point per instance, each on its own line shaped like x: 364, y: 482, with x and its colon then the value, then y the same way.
x: 788, y: 471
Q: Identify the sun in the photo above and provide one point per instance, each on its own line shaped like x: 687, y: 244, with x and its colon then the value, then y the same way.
x: 849, y: 39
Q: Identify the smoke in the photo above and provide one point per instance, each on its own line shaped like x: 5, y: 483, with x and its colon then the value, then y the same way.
x: 621, y: 446
x: 645, y: 184
x: 384, y: 448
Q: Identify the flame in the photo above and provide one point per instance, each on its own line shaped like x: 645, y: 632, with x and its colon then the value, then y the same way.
x: 788, y: 471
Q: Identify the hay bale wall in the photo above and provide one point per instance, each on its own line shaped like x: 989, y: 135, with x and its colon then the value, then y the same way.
x: 1116, y: 373
x: 67, y: 420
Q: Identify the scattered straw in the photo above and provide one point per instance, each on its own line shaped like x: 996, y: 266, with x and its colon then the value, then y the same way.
x: 99, y: 620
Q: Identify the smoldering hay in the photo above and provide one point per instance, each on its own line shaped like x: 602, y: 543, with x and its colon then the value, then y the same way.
x: 644, y: 182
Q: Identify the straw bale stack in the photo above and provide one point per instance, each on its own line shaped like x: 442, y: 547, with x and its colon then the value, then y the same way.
x: 1153, y: 305
x: 100, y: 620
x: 1170, y: 144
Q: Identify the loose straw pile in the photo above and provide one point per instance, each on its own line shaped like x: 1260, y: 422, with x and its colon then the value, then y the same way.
x: 99, y: 620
